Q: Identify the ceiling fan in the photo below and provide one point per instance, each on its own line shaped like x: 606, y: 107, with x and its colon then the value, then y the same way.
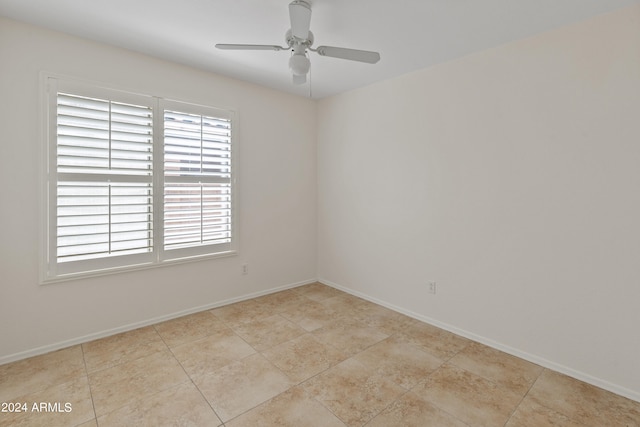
x: 299, y: 40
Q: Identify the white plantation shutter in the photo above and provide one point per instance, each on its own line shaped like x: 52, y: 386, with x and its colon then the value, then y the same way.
x: 133, y: 180
x: 103, y: 219
x: 103, y: 187
x: 197, y: 179
x: 101, y: 136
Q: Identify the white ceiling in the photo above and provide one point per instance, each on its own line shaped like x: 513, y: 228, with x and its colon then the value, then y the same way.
x: 409, y: 34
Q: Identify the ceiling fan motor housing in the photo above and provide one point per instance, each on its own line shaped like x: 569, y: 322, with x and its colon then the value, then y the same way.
x: 293, y: 41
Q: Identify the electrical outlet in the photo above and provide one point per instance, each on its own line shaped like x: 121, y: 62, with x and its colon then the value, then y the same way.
x: 245, y: 269
x: 432, y: 287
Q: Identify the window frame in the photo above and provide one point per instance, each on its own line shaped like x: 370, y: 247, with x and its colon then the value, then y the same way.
x: 52, y: 271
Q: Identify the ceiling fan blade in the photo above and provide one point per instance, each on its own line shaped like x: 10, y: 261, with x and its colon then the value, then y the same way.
x: 249, y: 47
x: 351, y: 54
x: 299, y: 79
x: 300, y: 16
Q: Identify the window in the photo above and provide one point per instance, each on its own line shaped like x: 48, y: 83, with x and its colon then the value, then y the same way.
x: 134, y: 181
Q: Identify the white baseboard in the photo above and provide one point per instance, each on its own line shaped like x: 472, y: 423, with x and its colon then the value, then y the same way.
x: 102, y: 334
x: 606, y: 385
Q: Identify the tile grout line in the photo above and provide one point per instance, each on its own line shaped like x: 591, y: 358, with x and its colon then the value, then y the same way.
x: 230, y: 327
x: 406, y: 391
x: 189, y: 376
x: 300, y: 383
x: 127, y: 361
x: 523, y: 397
x: 493, y: 382
x: 541, y: 403
x: 444, y: 362
x: 159, y: 391
x: 142, y: 357
x: 353, y: 357
x: 86, y: 371
x: 388, y: 336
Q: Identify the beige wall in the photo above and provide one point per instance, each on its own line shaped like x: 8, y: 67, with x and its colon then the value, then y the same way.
x: 511, y: 178
x: 277, y: 196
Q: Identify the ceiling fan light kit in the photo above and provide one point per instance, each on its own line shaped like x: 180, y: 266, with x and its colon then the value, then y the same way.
x: 299, y: 40
x: 299, y: 65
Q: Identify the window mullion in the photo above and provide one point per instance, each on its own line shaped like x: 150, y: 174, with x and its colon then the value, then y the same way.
x: 158, y: 180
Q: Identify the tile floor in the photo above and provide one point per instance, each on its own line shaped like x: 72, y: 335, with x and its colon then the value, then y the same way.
x: 310, y: 356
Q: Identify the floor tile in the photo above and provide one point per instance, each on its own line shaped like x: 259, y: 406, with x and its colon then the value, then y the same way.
x: 308, y: 356
x: 440, y: 343
x: 318, y: 291
x: 122, y: 348
x: 345, y: 303
x: 584, y: 403
x: 281, y: 301
x: 242, y: 312
x: 189, y: 328
x: 182, y: 405
x: 65, y: 404
x: 122, y: 384
x: 349, y: 335
x: 303, y: 357
x: 309, y: 315
x: 270, y: 331
x: 399, y: 361
x: 474, y: 400
x: 352, y: 392
x: 211, y: 353
x: 240, y: 386
x: 508, y: 371
x: 529, y: 413
x: 412, y: 411
x: 40, y: 372
x: 293, y: 408
x: 383, y: 319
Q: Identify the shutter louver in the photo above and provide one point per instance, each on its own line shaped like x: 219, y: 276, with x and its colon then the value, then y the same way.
x: 197, y: 173
x: 104, y: 188
x: 133, y: 181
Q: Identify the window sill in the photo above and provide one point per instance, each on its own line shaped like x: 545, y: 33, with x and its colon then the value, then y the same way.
x: 139, y: 267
